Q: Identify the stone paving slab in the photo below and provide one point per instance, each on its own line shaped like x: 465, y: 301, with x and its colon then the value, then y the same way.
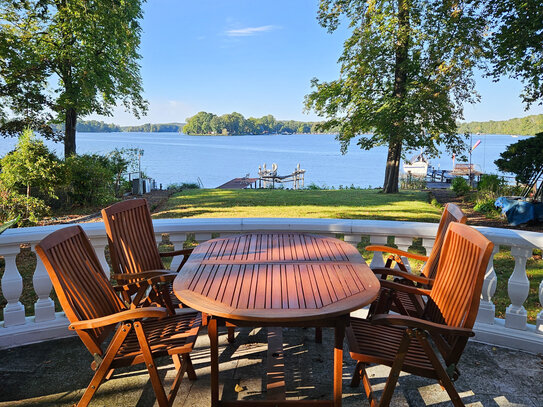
x: 55, y: 373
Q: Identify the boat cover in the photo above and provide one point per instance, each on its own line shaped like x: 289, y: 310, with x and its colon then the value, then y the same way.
x: 519, y: 211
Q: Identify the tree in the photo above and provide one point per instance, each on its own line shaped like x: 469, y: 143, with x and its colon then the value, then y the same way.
x: 516, y: 43
x: 31, y: 164
x: 91, y: 48
x: 523, y: 158
x: 406, y: 71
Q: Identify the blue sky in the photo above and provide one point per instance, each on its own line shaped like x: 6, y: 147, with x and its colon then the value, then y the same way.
x: 255, y: 57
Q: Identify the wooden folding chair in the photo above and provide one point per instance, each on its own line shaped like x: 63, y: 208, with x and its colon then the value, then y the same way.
x: 133, y: 249
x: 134, y: 252
x: 406, y: 303
x: 95, y: 310
x: 429, y: 346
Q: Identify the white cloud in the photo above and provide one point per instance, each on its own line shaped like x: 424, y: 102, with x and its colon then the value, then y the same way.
x: 246, y: 32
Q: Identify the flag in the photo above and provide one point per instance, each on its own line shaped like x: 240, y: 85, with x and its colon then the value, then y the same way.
x: 476, y: 144
x: 454, y: 155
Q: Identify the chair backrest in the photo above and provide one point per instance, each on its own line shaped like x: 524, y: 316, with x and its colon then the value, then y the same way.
x: 79, y: 281
x: 455, y: 294
x: 131, y: 237
x: 451, y: 213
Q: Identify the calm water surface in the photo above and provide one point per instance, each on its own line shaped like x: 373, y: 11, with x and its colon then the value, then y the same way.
x: 173, y: 157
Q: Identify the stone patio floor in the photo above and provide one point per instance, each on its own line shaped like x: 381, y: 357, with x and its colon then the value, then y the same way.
x: 55, y: 373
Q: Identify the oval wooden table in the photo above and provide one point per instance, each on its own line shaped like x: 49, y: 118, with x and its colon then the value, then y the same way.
x: 276, y: 280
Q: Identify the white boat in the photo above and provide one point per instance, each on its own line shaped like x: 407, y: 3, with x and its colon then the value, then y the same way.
x: 418, y: 166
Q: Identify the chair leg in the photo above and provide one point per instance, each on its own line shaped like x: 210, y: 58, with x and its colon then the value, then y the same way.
x: 177, y: 381
x: 104, y: 368
x: 396, y: 368
x: 444, y: 378
x: 190, y: 368
x: 151, y: 367
x: 357, y: 374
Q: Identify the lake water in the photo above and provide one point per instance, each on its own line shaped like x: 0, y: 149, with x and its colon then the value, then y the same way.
x: 174, y: 158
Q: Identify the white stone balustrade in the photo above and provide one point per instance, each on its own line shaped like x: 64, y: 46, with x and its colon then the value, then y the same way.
x: 16, y: 329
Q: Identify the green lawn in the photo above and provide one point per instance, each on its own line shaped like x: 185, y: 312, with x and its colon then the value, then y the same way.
x: 339, y: 204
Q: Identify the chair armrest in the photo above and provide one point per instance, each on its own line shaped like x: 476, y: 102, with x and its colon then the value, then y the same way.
x: 144, y: 275
x: 403, y: 274
x: 405, y: 288
x: 184, y: 252
x: 411, y: 322
x: 127, y: 315
x: 388, y: 249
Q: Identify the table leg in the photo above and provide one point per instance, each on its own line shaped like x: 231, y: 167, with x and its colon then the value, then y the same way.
x: 339, y: 335
x: 214, y: 349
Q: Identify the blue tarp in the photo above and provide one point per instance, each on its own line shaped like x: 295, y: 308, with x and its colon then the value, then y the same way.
x: 519, y: 211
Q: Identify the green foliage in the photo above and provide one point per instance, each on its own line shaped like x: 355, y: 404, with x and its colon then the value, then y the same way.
x: 516, y: 43
x: 31, y: 164
x: 406, y: 71
x: 204, y: 123
x: 460, y: 186
x: 523, y: 158
x: 6, y: 225
x: 410, y: 182
x: 90, y: 179
x: 315, y: 187
x: 486, y: 206
x: 491, y: 183
x: 178, y: 187
x: 90, y: 126
x: 15, y: 205
x: 526, y: 126
x: 152, y: 128
x: 80, y: 57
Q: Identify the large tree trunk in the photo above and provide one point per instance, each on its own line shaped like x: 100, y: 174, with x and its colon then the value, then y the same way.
x: 392, y: 170
x: 69, y: 134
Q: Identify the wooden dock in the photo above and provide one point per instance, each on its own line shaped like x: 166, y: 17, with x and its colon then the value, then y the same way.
x: 240, y: 183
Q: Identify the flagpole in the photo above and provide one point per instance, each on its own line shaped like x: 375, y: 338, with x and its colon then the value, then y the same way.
x: 470, y: 148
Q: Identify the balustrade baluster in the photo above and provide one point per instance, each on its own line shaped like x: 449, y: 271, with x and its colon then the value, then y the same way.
x: 99, y: 244
x: 44, y: 308
x: 202, y: 237
x: 518, y: 288
x: 487, y: 310
x: 352, y: 239
x: 377, y: 260
x: 12, y: 287
x: 403, y: 243
x: 178, y: 240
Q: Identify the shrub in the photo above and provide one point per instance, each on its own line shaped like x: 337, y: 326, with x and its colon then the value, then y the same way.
x: 90, y: 180
x: 183, y: 185
x: 31, y: 165
x: 460, y: 186
x: 491, y: 183
x: 410, y: 182
x: 486, y: 206
x: 13, y: 204
x: 315, y: 187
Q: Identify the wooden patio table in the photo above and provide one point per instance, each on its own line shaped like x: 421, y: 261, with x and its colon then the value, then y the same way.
x: 276, y: 280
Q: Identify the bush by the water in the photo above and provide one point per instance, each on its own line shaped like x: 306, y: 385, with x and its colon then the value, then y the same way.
x: 460, y: 186
x: 33, y: 179
x: 486, y: 206
x: 177, y: 187
x: 410, y: 182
